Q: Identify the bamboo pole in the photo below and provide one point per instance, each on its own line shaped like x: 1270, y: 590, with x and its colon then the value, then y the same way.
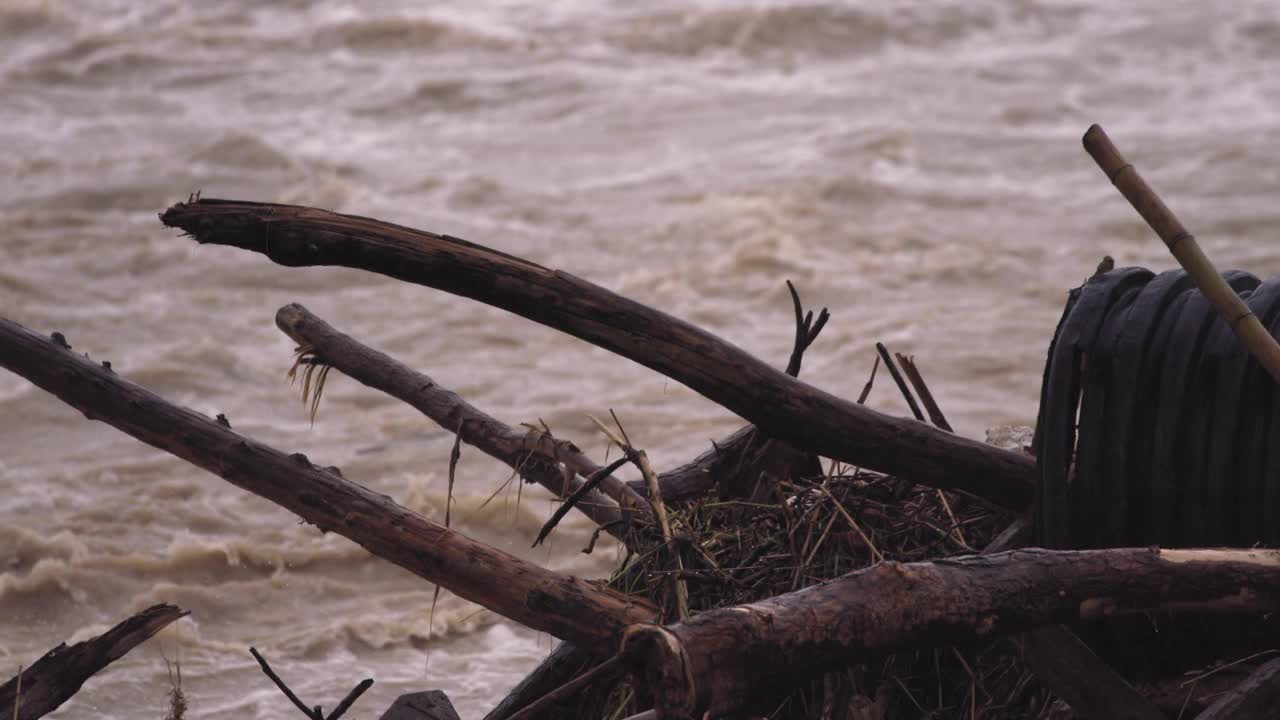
x: 1185, y: 248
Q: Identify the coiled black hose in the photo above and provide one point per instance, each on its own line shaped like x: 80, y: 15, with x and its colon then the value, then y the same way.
x: 1156, y: 426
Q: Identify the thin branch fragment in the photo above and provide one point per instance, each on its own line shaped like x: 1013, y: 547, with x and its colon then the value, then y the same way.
x: 897, y: 378
x: 806, y: 331
x: 922, y: 390
x: 641, y: 461
x: 571, y: 501
x: 350, y: 699
x: 866, y: 389
x: 284, y: 687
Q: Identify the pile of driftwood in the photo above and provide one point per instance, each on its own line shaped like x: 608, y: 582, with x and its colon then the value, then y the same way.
x: 757, y: 583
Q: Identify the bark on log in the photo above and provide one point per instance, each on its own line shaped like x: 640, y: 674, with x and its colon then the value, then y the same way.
x: 716, y: 661
x: 1067, y: 666
x: 781, y: 406
x: 1256, y: 698
x: 569, y: 608
x: 54, y: 678
x: 533, y: 455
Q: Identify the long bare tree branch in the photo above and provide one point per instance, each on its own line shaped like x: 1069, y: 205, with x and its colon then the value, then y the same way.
x: 566, y: 607
x: 534, y: 455
x: 781, y: 406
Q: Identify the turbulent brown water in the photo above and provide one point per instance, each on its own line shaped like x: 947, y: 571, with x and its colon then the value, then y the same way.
x: 915, y: 167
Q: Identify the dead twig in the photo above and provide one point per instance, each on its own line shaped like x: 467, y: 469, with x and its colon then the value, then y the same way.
x: 591, y: 483
x: 866, y: 389
x: 351, y: 697
x: 807, y: 330
x: 266, y: 669
x: 641, y: 461
x: 315, y: 713
x: 908, y: 364
x: 897, y: 378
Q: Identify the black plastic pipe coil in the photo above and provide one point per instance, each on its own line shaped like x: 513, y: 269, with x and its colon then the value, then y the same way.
x: 1156, y: 426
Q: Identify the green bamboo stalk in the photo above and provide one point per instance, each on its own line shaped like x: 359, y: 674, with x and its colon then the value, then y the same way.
x: 1185, y: 248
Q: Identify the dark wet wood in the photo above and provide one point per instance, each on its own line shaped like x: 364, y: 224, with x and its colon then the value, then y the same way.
x: 717, y: 660
x: 54, y: 678
x: 781, y: 406
x: 735, y: 467
x: 566, y: 607
x: 534, y: 455
x: 1065, y: 665
x: 1068, y: 667
x: 428, y: 705
x: 1256, y: 698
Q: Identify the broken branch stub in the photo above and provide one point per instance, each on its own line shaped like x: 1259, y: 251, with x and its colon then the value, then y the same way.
x: 781, y: 406
x: 57, y: 676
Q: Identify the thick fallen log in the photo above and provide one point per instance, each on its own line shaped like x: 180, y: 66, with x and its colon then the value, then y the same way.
x: 569, y: 608
x: 54, y: 678
x: 781, y: 406
x: 533, y: 455
x: 1256, y: 698
x: 716, y: 661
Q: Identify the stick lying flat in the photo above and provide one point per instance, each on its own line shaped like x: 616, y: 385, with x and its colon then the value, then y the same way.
x: 532, y: 457
x: 54, y: 678
x: 717, y: 660
x: 778, y: 404
x: 565, y: 607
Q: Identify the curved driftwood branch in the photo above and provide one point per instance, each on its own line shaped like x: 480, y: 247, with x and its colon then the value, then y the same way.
x: 54, y: 678
x: 716, y: 661
x: 566, y: 607
x: 534, y: 455
x: 781, y: 406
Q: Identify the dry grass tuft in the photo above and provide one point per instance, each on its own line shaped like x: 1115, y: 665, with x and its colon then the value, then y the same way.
x: 177, y: 698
